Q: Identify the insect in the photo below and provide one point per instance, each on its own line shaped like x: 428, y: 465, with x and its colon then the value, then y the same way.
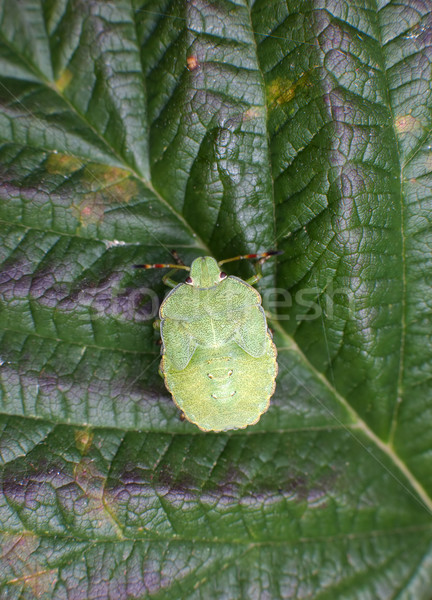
x: 218, y: 357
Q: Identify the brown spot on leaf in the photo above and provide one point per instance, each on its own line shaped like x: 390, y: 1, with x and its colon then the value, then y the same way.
x: 62, y: 164
x: 253, y: 113
x: 192, y: 63
x: 83, y: 440
x: 104, y: 175
x: 123, y: 191
x: 281, y: 90
x: 90, y: 210
x: 64, y: 80
x: 406, y: 123
x: 109, y: 184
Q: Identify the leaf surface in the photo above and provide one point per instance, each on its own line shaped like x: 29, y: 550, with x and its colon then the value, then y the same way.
x: 131, y: 128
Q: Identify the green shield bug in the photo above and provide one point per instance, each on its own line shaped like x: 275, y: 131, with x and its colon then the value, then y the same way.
x: 218, y: 357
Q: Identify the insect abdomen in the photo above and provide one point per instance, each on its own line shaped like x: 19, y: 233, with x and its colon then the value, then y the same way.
x: 223, y: 388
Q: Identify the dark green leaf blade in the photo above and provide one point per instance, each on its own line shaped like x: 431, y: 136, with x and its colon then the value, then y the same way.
x: 131, y: 128
x: 209, y: 151
x: 338, y: 197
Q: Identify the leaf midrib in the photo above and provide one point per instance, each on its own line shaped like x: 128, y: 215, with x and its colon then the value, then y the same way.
x: 401, y: 366
x: 218, y: 541
x: 423, y: 497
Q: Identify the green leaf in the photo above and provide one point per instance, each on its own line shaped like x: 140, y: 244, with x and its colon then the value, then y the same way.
x: 131, y: 128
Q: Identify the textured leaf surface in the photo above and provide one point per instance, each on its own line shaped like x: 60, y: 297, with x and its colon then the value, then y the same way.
x: 130, y: 128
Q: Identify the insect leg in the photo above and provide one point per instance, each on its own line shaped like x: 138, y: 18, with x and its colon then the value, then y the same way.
x: 168, y: 281
x: 258, y: 272
x: 252, y: 280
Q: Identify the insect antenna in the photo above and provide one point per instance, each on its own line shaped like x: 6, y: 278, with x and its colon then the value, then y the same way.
x: 263, y: 256
x: 161, y: 266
